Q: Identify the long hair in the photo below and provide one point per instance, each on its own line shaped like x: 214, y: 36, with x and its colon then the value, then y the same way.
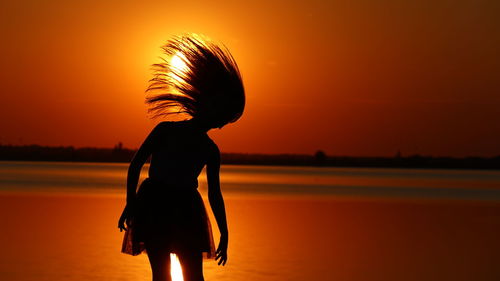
x: 199, y: 78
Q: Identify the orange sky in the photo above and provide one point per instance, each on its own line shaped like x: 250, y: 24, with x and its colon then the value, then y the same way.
x: 364, y: 78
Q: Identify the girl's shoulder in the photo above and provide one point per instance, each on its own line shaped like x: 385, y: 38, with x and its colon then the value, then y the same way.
x: 212, y: 146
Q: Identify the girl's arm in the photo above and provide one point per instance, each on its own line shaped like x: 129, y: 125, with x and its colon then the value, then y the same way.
x: 217, y: 202
x: 134, y: 171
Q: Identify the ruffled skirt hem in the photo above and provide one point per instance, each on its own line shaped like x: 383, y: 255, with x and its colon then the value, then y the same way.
x: 173, y: 218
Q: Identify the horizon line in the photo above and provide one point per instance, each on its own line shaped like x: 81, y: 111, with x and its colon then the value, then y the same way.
x: 398, y: 154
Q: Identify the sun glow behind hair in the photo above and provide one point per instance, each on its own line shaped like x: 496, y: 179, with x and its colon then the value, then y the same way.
x: 196, y: 76
x: 178, y: 63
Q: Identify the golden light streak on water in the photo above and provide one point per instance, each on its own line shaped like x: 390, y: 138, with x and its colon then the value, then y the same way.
x: 175, y: 268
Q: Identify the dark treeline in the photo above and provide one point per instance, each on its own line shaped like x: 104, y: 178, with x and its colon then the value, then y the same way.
x: 121, y: 154
x: 65, y: 153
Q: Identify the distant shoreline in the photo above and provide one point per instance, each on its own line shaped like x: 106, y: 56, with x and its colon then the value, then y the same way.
x: 122, y: 155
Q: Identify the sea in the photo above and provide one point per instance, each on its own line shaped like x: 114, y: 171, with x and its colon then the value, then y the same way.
x: 59, y: 222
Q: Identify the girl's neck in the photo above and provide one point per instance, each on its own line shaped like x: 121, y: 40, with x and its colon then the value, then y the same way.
x: 199, y: 124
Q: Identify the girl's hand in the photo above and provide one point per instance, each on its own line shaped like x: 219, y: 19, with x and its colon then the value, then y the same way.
x: 124, y: 219
x: 221, y: 253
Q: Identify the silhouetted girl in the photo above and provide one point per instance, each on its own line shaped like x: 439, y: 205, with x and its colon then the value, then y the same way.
x: 167, y: 214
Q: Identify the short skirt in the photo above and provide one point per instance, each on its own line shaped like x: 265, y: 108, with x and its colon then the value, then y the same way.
x: 171, y: 217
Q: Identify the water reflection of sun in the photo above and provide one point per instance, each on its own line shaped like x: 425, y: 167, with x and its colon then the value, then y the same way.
x: 175, y: 268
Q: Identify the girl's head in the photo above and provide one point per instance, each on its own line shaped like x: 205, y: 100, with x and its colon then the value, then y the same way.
x: 198, y: 78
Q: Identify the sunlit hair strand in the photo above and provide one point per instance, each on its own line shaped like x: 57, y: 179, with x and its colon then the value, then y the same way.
x: 207, y: 85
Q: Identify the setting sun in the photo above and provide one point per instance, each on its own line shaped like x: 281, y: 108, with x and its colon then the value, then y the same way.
x: 179, y: 66
x: 250, y: 140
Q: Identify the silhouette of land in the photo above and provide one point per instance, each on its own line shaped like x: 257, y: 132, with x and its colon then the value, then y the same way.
x: 121, y: 154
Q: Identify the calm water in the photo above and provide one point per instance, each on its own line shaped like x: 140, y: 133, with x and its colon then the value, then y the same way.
x: 286, y: 223
x: 268, y: 180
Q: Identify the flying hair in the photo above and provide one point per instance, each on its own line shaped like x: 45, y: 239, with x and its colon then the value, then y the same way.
x: 199, y: 78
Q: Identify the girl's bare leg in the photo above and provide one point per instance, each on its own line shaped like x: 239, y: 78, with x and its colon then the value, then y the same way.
x: 192, y: 265
x: 159, y: 258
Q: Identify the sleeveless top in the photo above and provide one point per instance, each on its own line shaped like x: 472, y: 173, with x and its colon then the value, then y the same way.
x: 180, y: 151
x: 170, y: 211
